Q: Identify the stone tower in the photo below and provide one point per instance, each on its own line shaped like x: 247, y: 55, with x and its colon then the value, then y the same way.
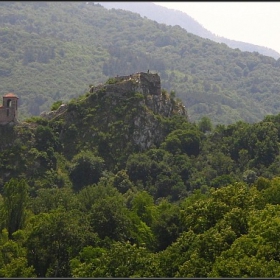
x: 8, y: 111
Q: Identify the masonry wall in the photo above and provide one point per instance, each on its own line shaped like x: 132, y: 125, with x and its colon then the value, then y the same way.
x: 6, y: 118
x: 8, y: 112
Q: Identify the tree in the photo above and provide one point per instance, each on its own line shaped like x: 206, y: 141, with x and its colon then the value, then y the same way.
x: 183, y: 141
x: 13, y: 261
x: 56, y: 105
x: 45, y: 138
x: 121, y: 181
x: 14, y: 204
x: 50, y: 199
x: 205, y: 124
x: 110, y: 218
x: 122, y: 259
x: 139, y: 168
x: 249, y: 176
x: 167, y: 224
x: 86, y: 169
x: 54, y: 239
x: 143, y: 206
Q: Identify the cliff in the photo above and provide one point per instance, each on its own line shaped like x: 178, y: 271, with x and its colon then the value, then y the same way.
x: 127, y: 114
x: 144, y: 83
x: 131, y: 109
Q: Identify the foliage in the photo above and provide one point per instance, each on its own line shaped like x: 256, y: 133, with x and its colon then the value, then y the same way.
x: 205, y: 124
x: 82, y: 196
x: 56, y: 41
x: 56, y: 105
x: 54, y: 239
x: 86, y: 169
x: 14, y: 205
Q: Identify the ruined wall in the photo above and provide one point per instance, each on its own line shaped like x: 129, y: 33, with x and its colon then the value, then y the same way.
x: 147, y: 83
x: 150, y: 86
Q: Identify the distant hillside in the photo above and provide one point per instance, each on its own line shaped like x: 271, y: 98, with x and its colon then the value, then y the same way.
x: 174, y: 17
x: 118, y: 183
x: 52, y: 51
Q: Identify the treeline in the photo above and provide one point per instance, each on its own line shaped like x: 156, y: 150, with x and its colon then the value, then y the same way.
x: 202, y: 203
x: 103, y: 231
x: 56, y: 52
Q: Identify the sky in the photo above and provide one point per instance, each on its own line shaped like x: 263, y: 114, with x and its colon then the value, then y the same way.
x: 257, y: 23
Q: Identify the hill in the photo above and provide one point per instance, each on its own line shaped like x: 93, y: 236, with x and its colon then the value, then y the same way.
x: 131, y: 123
x: 172, y: 17
x: 127, y: 114
x: 119, y: 183
x: 52, y: 51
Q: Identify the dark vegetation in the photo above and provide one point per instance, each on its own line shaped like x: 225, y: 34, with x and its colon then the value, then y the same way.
x: 52, y: 51
x: 80, y: 198
x: 172, y: 17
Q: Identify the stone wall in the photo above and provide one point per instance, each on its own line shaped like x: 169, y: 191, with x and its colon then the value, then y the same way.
x: 7, y: 115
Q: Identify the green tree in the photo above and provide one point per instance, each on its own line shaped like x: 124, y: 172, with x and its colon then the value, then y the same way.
x: 50, y: 199
x: 110, y: 218
x: 15, y: 195
x: 139, y: 168
x: 205, y: 124
x: 13, y: 261
x: 122, y: 259
x: 56, y: 105
x: 183, y: 141
x: 250, y: 176
x: 143, y: 206
x: 86, y: 169
x: 121, y: 181
x: 45, y: 138
x: 54, y: 239
x: 90, y: 194
x: 167, y: 224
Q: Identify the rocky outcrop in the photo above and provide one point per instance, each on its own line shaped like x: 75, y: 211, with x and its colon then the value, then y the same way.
x: 135, y: 104
x: 52, y: 114
x: 149, y: 85
x: 147, y: 129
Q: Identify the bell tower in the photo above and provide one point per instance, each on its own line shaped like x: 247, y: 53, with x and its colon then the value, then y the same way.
x: 8, y: 111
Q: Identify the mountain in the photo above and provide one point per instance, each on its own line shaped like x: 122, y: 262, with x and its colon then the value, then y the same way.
x: 130, y: 112
x: 54, y: 51
x: 118, y: 183
x: 173, y: 17
x: 125, y: 115
x: 115, y: 179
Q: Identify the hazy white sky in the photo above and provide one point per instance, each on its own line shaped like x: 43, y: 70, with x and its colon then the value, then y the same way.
x: 252, y: 22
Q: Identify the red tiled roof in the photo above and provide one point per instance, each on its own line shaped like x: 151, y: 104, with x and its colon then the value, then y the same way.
x: 10, y: 95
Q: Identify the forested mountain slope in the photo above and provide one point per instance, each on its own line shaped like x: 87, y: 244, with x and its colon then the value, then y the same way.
x: 172, y: 17
x: 53, y: 51
x: 119, y: 183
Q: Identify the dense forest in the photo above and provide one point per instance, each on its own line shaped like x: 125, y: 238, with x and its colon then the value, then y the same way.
x: 171, y: 172
x: 172, y: 17
x: 81, y: 196
x: 52, y: 51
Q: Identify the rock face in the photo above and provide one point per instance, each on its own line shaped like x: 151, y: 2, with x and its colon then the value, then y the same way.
x: 50, y: 115
x: 149, y: 85
x: 147, y: 129
x: 130, y: 108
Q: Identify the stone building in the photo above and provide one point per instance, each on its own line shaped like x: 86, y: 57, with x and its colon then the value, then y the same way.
x: 8, y: 111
